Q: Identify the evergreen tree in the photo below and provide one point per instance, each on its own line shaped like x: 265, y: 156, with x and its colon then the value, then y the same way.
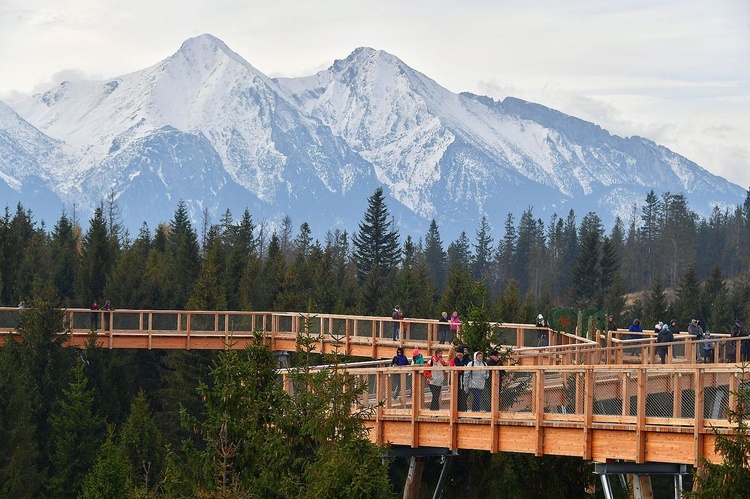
x: 649, y: 231
x: 687, y: 302
x: 376, y: 250
x: 244, y: 447
x: 656, y: 304
x: 677, y: 242
x: 586, y: 283
x: 46, y: 362
x: 413, y: 291
x: 20, y: 475
x: 109, y: 477
x: 76, y: 434
x: 97, y: 260
x: 482, y: 251
x: 64, y: 264
x: 435, y: 256
x: 510, y: 309
x: 459, y: 254
x: 141, y: 444
x: 209, y: 291
x: 183, y: 265
x: 506, y: 251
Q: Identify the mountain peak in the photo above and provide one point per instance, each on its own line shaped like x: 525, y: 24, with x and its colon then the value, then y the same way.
x: 206, y: 50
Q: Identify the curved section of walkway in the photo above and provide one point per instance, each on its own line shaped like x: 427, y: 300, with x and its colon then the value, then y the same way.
x: 655, y: 414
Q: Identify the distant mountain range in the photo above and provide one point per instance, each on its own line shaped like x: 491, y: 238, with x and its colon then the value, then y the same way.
x: 206, y: 127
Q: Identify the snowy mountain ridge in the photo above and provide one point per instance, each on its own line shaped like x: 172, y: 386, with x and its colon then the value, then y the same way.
x: 205, y: 126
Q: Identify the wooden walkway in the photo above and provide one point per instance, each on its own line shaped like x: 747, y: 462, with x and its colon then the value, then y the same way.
x: 599, y: 400
x: 641, y: 414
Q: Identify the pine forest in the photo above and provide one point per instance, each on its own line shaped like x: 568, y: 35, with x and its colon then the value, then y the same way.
x: 119, y: 423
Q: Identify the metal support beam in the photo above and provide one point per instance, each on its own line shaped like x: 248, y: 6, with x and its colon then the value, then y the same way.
x: 606, y: 486
x: 443, y: 476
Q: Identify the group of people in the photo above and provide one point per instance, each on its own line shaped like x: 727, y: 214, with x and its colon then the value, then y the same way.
x: 472, y: 383
x: 95, y: 308
x: 706, y: 350
x: 447, y: 324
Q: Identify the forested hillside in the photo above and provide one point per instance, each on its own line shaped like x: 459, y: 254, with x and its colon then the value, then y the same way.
x: 180, y: 424
x: 238, y: 263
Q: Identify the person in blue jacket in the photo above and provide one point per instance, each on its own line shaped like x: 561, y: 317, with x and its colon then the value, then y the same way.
x: 398, y: 360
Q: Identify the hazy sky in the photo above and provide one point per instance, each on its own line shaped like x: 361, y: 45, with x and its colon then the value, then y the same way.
x: 674, y: 71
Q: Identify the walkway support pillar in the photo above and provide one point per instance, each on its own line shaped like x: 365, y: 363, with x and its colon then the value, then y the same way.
x: 414, y: 478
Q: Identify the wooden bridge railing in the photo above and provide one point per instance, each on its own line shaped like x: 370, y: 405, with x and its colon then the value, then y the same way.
x: 180, y: 329
x: 362, y: 336
x: 638, y: 413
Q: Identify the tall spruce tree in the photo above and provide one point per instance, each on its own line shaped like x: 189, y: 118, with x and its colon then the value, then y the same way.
x: 482, y: 251
x: 183, y: 263
x: 64, y: 264
x: 97, y: 260
x: 435, y: 256
x: 76, y: 433
x: 376, y: 250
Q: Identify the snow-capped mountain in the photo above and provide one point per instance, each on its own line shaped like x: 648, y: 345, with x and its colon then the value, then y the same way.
x: 207, y: 127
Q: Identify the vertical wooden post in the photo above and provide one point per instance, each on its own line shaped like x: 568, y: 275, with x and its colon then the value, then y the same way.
x: 416, y: 391
x: 150, y: 328
x: 698, y: 385
x: 588, y: 412
x: 381, y: 392
x: 453, y: 400
x: 494, y: 408
x: 539, y: 411
x: 187, y: 330
x: 640, y: 434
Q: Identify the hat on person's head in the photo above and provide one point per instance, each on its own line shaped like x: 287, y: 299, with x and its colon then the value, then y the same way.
x: 636, y: 320
x: 739, y: 321
x: 494, y: 352
x: 415, y: 352
x: 540, y: 317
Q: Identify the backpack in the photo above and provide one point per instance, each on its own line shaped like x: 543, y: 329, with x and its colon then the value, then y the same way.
x: 396, y: 315
x: 428, y: 372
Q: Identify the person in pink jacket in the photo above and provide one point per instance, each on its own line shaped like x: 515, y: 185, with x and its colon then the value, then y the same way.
x: 455, y: 321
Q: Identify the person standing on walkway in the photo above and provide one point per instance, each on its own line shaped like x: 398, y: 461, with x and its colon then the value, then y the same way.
x: 738, y: 332
x: 696, y: 331
x: 398, y: 360
x: 663, y: 335
x: 443, y: 327
x: 460, y: 360
x: 396, y: 316
x: 611, y: 325
x: 455, y: 321
x: 94, y: 315
x: 635, y: 334
x: 107, y: 306
x: 494, y: 360
x: 476, y: 380
x: 435, y: 377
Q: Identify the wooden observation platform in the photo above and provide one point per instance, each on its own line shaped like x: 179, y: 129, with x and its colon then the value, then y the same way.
x: 600, y: 399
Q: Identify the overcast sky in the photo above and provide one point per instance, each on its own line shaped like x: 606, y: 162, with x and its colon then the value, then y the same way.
x: 674, y: 71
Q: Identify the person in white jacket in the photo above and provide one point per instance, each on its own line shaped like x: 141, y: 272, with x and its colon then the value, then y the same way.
x: 435, y: 375
x: 475, y: 380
